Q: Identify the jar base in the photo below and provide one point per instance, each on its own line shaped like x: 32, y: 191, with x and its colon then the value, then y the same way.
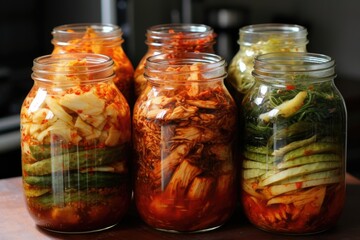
x: 78, y: 232
x: 190, y: 232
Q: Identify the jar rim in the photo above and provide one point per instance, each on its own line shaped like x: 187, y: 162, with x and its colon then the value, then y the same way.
x: 105, y: 31
x: 269, y: 28
x: 279, y: 65
x: 254, y: 33
x: 98, y: 67
x: 159, y: 35
x: 175, y: 28
x: 209, y: 65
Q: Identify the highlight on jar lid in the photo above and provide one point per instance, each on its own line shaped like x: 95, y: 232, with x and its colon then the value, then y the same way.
x: 180, y: 33
x: 72, y: 68
x: 77, y: 33
x: 276, y: 32
x: 292, y: 65
x: 188, y: 66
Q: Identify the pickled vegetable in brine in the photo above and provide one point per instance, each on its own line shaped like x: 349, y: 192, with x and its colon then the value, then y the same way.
x: 173, y: 38
x: 183, y: 133
x: 100, y: 39
x: 75, y: 132
x: 260, y: 39
x: 294, y: 155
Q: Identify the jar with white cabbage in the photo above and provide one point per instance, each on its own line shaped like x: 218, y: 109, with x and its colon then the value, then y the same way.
x: 75, y: 139
x: 259, y: 39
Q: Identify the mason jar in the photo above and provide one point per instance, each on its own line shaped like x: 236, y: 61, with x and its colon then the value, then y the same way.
x: 173, y: 38
x: 98, y: 38
x: 75, y: 140
x: 294, y: 146
x: 184, y: 129
x: 259, y: 39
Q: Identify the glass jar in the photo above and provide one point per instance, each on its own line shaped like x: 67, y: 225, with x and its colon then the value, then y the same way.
x: 101, y: 39
x: 184, y: 130
x: 75, y: 139
x: 259, y: 39
x: 293, y: 169
x: 173, y: 38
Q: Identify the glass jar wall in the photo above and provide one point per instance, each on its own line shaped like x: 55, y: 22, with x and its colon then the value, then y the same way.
x: 173, y: 38
x: 259, y: 39
x: 75, y: 139
x: 184, y: 129
x: 101, y: 39
x: 293, y: 169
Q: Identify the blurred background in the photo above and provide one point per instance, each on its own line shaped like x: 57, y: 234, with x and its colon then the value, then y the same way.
x: 26, y: 25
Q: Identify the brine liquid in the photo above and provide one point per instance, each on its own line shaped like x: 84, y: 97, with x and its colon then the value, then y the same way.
x: 296, y: 219
x: 184, y: 214
x: 82, y: 216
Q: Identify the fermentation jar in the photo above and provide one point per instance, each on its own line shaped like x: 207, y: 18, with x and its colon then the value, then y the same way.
x: 259, y: 39
x: 173, y: 38
x: 101, y: 39
x: 293, y: 169
x: 184, y: 129
x: 75, y: 139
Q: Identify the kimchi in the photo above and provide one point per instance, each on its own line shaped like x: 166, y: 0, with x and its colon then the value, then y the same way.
x: 184, y: 129
x: 75, y: 139
x: 100, y: 39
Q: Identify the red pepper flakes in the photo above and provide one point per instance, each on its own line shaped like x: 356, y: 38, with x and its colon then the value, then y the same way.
x: 290, y: 87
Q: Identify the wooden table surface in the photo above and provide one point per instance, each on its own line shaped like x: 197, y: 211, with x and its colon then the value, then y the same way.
x: 16, y: 223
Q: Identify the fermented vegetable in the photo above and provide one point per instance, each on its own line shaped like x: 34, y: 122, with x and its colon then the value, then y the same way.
x: 183, y: 137
x: 259, y: 39
x: 294, y: 154
x: 75, y: 138
x: 173, y: 38
x: 100, y: 39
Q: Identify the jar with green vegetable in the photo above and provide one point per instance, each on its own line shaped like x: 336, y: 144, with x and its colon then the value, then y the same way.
x: 259, y: 39
x: 75, y: 139
x: 294, y: 152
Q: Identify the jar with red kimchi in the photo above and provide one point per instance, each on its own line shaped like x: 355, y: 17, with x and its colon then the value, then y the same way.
x: 97, y: 38
x: 173, y: 38
x: 184, y: 129
x: 293, y: 168
x: 75, y: 139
